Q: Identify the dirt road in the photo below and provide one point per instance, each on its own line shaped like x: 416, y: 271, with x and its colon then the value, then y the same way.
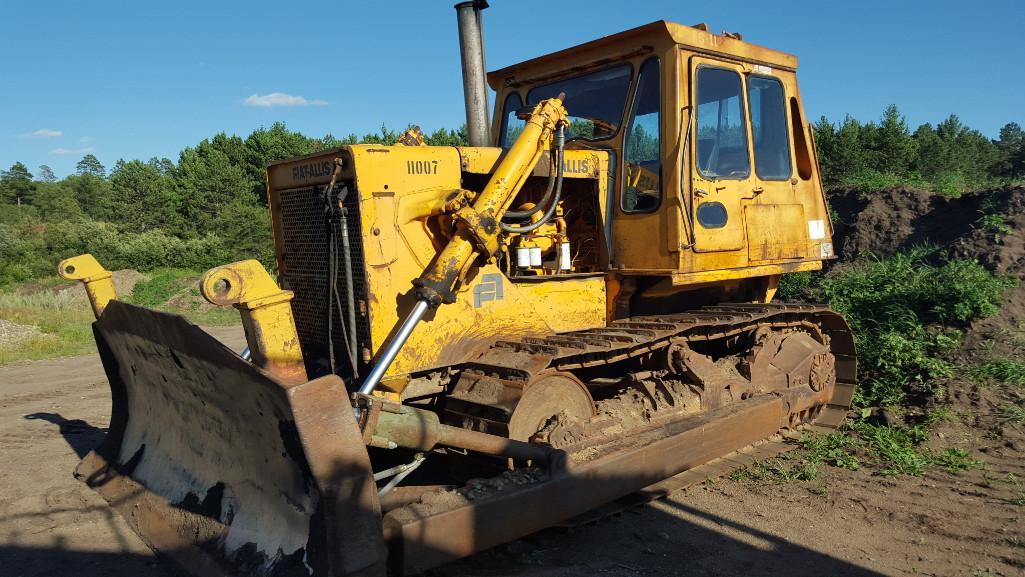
x: 846, y: 523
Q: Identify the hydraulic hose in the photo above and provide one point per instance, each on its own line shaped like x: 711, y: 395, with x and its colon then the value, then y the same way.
x: 521, y: 214
x: 560, y: 139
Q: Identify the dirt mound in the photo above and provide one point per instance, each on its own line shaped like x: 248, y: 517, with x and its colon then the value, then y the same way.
x: 988, y: 226
x: 124, y: 283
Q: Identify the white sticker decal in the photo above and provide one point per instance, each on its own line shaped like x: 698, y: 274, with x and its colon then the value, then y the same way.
x: 816, y: 229
x: 826, y: 250
x: 763, y: 69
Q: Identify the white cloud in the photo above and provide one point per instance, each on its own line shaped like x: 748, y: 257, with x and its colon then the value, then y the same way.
x: 280, y: 99
x: 43, y: 133
x: 70, y: 151
x: 86, y: 139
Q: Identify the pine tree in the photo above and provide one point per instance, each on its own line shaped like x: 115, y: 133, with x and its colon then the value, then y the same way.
x: 1011, y: 150
x: 16, y: 184
x: 893, y: 150
x: 90, y: 165
x: 46, y: 174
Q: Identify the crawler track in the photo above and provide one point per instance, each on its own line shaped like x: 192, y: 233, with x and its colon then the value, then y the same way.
x: 637, y: 336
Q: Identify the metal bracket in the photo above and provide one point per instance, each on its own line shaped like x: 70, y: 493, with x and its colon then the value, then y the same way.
x: 266, y: 315
x: 99, y: 285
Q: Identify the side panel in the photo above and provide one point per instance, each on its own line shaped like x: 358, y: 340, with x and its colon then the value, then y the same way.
x: 767, y: 240
x: 403, y: 230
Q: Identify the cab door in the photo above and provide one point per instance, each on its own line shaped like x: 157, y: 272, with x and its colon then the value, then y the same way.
x: 639, y: 233
x: 722, y: 177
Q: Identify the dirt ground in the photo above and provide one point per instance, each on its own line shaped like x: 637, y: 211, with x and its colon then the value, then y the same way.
x: 847, y: 523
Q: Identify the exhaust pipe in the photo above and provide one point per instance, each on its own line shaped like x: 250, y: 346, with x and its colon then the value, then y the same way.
x: 475, y: 87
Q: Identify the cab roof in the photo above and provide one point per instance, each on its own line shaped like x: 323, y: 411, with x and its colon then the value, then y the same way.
x: 643, y: 38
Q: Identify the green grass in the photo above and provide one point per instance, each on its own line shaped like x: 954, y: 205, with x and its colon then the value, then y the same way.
x: 162, y: 284
x: 63, y: 320
x: 778, y: 471
x: 894, y: 449
x: 906, y: 312
x: 886, y: 450
x: 64, y: 317
x: 182, y: 287
x: 832, y: 449
x: 1003, y: 371
x: 1015, y: 412
x: 955, y: 460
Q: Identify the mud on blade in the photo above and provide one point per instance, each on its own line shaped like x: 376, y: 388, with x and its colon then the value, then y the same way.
x: 225, y: 469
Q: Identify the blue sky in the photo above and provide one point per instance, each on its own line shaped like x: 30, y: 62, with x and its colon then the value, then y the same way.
x: 146, y: 78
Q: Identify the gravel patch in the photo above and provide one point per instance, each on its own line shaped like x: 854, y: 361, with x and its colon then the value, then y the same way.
x: 12, y: 333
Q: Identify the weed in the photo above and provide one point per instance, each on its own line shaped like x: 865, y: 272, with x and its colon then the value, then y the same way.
x: 954, y: 460
x: 983, y: 572
x: 795, y: 286
x: 1019, y: 488
x: 895, y: 448
x: 996, y: 224
x: 1016, y: 413
x: 778, y: 471
x: 1005, y: 371
x: 905, y: 312
x: 833, y: 449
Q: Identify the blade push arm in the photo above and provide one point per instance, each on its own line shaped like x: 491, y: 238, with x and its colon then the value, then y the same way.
x: 477, y: 228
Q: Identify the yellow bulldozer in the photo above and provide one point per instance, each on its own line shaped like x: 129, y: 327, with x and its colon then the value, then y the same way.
x: 464, y: 345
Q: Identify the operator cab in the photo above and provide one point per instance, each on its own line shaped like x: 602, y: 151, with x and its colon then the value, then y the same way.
x: 709, y: 152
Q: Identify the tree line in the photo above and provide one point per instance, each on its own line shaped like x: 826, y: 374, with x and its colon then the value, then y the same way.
x: 949, y: 157
x: 210, y: 206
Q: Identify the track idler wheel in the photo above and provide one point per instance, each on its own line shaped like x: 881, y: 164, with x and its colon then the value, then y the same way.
x: 552, y: 403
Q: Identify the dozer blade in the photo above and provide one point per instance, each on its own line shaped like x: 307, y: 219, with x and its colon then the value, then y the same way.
x: 225, y: 469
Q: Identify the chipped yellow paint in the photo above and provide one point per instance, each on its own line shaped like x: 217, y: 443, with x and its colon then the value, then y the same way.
x: 670, y: 241
x: 266, y: 315
x: 408, y: 195
x: 693, y: 279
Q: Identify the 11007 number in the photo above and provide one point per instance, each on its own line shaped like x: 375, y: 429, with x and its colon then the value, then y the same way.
x: 422, y: 167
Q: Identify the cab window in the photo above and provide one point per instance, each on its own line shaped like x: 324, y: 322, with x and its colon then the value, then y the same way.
x: 594, y: 101
x: 769, y: 128
x: 720, y: 125
x: 642, y: 190
x: 511, y: 126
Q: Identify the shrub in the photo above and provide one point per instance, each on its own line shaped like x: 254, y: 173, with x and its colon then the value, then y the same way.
x: 31, y: 249
x: 795, y: 286
x: 905, y: 312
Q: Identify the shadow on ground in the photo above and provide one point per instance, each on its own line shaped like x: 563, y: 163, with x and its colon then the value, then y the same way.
x: 80, y: 435
x: 58, y: 562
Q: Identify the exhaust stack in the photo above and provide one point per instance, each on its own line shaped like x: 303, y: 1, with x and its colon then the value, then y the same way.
x: 475, y: 88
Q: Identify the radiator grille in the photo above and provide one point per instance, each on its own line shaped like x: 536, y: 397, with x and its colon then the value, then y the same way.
x: 304, y: 233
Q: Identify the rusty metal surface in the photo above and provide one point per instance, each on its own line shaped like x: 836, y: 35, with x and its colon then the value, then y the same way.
x: 420, y: 538
x: 225, y: 469
x: 637, y: 336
